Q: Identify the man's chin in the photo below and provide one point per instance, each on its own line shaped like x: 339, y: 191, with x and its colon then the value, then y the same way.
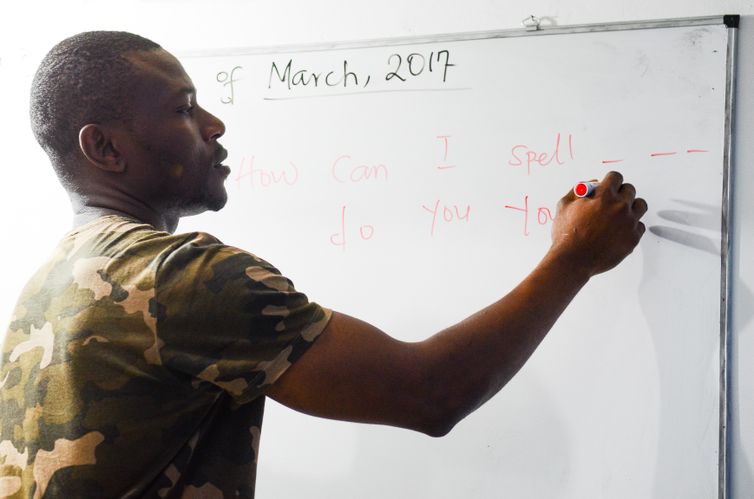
x: 215, y: 203
x: 216, y: 207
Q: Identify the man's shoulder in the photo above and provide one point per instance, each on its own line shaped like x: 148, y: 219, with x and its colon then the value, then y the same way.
x: 119, y: 266
x: 116, y: 234
x: 124, y: 241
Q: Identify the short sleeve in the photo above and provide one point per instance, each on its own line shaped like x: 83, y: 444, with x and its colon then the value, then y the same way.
x: 230, y: 320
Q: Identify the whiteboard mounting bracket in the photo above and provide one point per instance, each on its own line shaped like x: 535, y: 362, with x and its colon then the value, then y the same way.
x: 532, y: 23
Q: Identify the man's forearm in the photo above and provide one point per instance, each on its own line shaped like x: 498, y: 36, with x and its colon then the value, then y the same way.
x: 471, y: 361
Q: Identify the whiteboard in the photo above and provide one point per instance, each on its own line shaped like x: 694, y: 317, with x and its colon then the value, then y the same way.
x: 411, y: 182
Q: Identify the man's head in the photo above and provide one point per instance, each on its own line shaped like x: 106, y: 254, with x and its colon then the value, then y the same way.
x: 83, y: 79
x: 118, y: 117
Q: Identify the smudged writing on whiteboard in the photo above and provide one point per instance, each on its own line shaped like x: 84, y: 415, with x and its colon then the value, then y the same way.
x: 523, y: 154
x: 445, y: 165
x: 365, y: 232
x: 449, y: 214
x: 544, y: 214
x: 344, y: 169
x: 227, y: 79
x: 286, y: 175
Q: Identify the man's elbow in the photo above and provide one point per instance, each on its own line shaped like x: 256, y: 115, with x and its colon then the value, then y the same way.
x: 435, y: 402
x: 439, y: 418
x: 439, y: 428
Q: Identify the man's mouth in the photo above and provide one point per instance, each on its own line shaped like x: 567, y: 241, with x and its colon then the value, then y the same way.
x: 224, y: 169
x: 221, y: 155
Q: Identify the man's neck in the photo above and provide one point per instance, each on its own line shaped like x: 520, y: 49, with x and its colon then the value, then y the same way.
x: 88, y: 214
x: 84, y: 211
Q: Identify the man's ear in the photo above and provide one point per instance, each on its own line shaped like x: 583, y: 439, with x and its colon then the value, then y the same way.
x: 97, y: 146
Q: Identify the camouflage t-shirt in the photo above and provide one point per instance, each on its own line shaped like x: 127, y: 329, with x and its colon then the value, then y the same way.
x: 136, y: 363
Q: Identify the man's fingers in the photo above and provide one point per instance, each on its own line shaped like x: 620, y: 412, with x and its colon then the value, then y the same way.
x: 639, y: 207
x: 628, y: 191
x: 569, y: 197
x: 612, y: 181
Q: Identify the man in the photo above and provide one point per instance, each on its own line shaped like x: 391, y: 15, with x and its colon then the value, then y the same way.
x: 138, y: 361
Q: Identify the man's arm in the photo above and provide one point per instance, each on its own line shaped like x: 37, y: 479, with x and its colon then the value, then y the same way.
x: 355, y: 372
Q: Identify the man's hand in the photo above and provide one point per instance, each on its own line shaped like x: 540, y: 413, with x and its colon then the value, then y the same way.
x: 595, y: 233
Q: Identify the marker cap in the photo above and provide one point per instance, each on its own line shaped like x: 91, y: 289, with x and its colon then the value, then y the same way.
x: 584, y: 189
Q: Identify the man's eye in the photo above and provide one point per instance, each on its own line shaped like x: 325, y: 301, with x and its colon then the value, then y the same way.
x: 187, y: 110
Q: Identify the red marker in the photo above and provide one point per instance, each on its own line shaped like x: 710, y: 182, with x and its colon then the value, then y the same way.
x: 584, y: 189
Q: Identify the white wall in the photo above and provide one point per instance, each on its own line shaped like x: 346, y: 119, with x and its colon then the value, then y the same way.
x: 33, y: 209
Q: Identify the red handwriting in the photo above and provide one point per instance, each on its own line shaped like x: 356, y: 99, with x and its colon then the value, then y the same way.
x: 344, y: 170
x: 544, y: 215
x: 532, y: 157
x: 365, y: 232
x: 447, y: 214
x: 263, y: 177
x: 444, y: 165
x: 657, y: 155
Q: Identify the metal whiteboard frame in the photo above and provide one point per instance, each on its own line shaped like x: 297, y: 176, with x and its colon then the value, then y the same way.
x: 731, y: 21
x: 725, y: 247
x: 543, y: 30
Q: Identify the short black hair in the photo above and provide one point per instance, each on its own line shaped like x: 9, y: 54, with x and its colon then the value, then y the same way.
x: 83, y: 79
